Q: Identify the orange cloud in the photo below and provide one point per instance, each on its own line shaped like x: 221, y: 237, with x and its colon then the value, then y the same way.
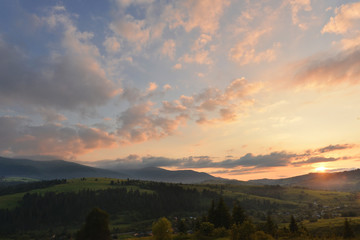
x: 202, y: 14
x: 347, y: 17
x: 245, y: 50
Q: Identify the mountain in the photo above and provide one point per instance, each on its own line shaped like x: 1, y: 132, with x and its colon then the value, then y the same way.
x: 51, y: 169
x: 62, y: 169
x: 162, y: 175
x: 338, y: 181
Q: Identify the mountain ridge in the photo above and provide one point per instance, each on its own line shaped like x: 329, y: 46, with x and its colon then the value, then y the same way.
x: 57, y: 169
x: 13, y: 167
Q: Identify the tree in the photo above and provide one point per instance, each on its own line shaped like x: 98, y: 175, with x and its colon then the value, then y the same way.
x: 238, y: 215
x: 348, y: 232
x: 96, y: 226
x: 222, y: 215
x: 212, y: 213
x: 293, y: 225
x: 206, y: 230
x: 270, y: 226
x: 162, y: 229
x: 182, y: 226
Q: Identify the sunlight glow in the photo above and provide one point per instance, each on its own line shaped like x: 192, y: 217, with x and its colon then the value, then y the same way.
x: 320, y: 169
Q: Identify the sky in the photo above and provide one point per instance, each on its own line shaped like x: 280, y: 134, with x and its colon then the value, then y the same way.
x: 238, y: 89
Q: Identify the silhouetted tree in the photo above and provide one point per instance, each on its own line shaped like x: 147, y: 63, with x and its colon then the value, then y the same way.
x: 348, y: 232
x: 238, y: 214
x: 96, y: 226
x: 222, y: 215
x: 211, y: 212
x: 270, y: 226
x: 293, y: 225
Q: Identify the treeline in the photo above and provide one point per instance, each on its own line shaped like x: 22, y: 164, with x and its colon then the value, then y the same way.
x: 25, y: 187
x: 41, y: 211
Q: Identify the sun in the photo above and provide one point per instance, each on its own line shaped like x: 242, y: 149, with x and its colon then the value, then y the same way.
x: 320, y: 169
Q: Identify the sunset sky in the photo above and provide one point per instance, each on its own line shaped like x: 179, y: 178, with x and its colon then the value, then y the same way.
x: 238, y: 89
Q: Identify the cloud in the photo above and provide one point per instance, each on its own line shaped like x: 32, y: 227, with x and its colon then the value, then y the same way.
x: 127, y: 3
x: 139, y: 123
x: 169, y: 48
x: 111, y: 45
x: 152, y: 87
x: 70, y: 79
x: 144, y: 120
x: 133, y: 30
x: 347, y: 17
x: 177, y: 66
x: 199, y: 57
x: 316, y: 160
x: 323, y: 71
x: 197, y: 14
x: 249, y: 160
x: 296, y: 7
x: 336, y: 147
x: 20, y: 137
x: 245, y: 50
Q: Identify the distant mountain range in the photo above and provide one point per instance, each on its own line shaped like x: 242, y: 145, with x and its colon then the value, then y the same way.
x: 62, y: 169
x: 57, y: 169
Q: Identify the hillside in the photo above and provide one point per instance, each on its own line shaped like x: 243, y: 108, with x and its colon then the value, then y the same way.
x: 338, y: 181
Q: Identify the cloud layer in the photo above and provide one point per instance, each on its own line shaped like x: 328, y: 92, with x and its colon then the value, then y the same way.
x: 20, y: 137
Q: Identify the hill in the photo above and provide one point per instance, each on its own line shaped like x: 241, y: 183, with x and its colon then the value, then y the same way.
x: 338, y: 181
x: 162, y: 175
x: 57, y: 169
